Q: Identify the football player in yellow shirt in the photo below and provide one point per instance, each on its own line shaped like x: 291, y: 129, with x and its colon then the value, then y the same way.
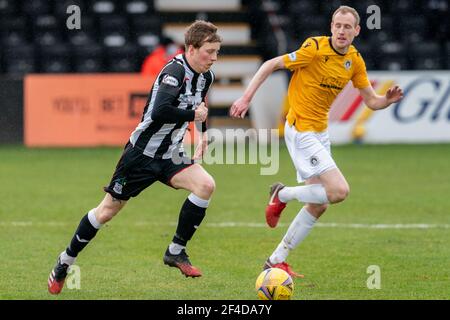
x: 321, y: 68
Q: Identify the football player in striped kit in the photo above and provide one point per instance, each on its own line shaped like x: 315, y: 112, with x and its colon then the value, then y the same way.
x: 155, y: 152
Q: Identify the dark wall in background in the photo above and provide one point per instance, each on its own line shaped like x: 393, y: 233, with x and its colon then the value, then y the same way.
x: 11, y: 110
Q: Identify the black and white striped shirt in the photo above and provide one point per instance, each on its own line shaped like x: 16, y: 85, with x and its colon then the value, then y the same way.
x: 176, y: 93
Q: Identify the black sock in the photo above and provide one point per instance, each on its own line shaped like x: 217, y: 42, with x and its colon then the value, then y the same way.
x: 85, y: 232
x: 190, y: 218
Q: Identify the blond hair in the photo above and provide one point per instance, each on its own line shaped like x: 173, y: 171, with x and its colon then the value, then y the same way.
x: 347, y: 9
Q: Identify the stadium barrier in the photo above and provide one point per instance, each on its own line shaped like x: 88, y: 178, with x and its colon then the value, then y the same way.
x: 83, y: 110
x: 103, y: 109
x: 422, y: 116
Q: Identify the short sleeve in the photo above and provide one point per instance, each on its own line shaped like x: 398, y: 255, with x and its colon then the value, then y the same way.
x: 303, y: 56
x: 171, y: 79
x: 360, y: 79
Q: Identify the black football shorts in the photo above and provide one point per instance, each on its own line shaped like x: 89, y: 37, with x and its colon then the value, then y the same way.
x: 135, y: 171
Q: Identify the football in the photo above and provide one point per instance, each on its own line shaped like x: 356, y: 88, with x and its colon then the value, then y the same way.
x: 274, y: 284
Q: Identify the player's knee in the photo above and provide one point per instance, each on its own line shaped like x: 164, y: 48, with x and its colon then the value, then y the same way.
x: 105, y: 213
x: 209, y: 186
x: 206, y: 187
x: 339, y: 193
x: 103, y: 216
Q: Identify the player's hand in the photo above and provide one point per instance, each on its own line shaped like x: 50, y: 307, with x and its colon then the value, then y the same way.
x: 394, y: 94
x: 239, y: 108
x: 201, y: 112
x: 201, y: 148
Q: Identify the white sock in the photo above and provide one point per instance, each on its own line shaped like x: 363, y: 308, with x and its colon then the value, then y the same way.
x: 175, y: 248
x: 65, y: 258
x: 312, y: 193
x: 93, y: 220
x: 297, y: 231
x: 199, y: 202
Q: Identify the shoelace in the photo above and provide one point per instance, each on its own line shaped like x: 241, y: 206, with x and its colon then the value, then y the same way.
x: 61, y: 271
x: 287, y: 266
x: 184, y: 255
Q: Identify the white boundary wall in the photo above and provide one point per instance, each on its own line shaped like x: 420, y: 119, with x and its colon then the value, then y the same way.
x: 422, y: 116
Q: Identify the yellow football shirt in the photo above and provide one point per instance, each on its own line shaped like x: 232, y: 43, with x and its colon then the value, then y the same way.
x: 319, y: 74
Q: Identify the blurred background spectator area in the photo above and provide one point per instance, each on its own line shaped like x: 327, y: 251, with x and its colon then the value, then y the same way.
x: 116, y: 36
x: 131, y: 36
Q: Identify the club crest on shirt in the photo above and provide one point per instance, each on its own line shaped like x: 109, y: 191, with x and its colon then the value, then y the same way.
x: 169, y: 80
x: 347, y: 64
x: 201, y: 85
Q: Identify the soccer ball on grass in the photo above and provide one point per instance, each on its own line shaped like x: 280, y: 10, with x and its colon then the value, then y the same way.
x: 274, y: 284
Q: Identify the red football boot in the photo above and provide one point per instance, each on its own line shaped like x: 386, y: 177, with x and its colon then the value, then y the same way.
x: 181, y: 261
x: 275, y: 206
x: 283, y: 266
x: 57, y: 277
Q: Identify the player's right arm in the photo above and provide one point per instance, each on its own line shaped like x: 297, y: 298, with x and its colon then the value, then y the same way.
x: 170, y: 82
x: 292, y: 61
x: 241, y: 105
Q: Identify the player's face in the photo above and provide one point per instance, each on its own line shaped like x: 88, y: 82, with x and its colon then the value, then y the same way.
x: 204, y: 57
x: 343, y: 30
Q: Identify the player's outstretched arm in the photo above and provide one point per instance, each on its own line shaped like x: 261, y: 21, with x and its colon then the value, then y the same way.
x: 377, y: 102
x: 240, y: 106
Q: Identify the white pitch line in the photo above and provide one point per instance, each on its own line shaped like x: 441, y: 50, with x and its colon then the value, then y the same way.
x: 383, y: 226
x: 335, y: 225
x: 232, y: 224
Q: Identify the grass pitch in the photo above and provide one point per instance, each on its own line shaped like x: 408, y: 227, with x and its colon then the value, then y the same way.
x: 397, y: 217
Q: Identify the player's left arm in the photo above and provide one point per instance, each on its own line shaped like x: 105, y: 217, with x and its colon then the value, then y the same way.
x: 373, y: 100
x: 202, y: 146
x: 377, y: 102
x: 203, y: 142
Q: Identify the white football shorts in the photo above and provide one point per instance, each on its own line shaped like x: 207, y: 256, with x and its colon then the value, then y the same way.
x: 310, y: 152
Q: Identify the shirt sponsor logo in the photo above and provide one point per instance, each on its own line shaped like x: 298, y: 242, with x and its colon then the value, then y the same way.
x: 169, y: 80
x: 190, y: 99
